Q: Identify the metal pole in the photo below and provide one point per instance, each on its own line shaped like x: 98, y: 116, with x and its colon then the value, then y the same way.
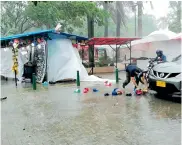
x: 116, y: 56
x: 93, y: 59
x: 117, y: 78
x: 15, y: 79
x: 34, y: 81
x: 46, y: 50
x: 78, y: 79
x: 82, y: 54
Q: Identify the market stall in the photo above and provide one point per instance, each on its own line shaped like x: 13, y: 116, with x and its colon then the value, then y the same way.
x: 114, y: 43
x: 32, y: 53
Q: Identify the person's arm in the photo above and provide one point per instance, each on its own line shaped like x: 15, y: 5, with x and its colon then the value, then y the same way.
x: 134, y: 82
x: 155, y: 59
x: 164, y: 58
x: 145, y: 82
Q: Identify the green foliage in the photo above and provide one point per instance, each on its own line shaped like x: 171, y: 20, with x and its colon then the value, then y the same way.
x: 174, y: 16
x: 43, y: 14
x: 71, y: 14
x: 104, y: 61
x: 18, y: 17
x: 13, y: 18
x: 149, y: 25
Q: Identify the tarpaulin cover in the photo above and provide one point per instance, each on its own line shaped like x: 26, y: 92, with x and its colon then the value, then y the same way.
x: 65, y: 64
x: 42, y: 33
x: 61, y: 64
x: 6, y: 63
x: 110, y: 41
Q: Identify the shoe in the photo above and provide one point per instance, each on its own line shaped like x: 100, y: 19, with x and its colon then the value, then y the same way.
x: 123, y: 86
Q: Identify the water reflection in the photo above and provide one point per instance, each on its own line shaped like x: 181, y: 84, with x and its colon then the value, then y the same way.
x: 64, y: 117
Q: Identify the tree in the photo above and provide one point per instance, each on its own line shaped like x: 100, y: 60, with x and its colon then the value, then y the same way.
x: 118, y: 12
x: 105, y: 5
x: 140, y: 13
x: 149, y: 25
x: 13, y: 18
x: 163, y: 23
x: 118, y: 18
x: 174, y: 16
x: 106, y: 27
x: 69, y: 13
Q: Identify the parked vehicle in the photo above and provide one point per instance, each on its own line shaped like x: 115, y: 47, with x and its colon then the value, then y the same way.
x: 165, y: 78
x: 151, y: 64
x: 149, y: 68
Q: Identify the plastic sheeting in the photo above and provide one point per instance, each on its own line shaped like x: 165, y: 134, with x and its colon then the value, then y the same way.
x: 63, y: 61
x: 40, y: 59
x: 93, y: 78
x: 7, y: 63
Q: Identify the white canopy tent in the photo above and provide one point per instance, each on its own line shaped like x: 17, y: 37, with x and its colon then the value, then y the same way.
x: 146, y: 47
x: 161, y: 35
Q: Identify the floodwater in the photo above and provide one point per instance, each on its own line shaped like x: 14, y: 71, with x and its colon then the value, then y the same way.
x: 58, y: 116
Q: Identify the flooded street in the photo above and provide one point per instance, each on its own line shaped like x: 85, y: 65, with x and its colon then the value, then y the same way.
x: 58, y: 116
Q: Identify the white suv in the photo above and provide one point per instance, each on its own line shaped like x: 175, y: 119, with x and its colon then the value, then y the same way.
x: 165, y: 78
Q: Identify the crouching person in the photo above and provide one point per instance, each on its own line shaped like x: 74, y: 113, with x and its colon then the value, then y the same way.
x: 136, y: 75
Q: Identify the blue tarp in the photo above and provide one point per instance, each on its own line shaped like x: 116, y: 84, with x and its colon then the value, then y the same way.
x: 42, y: 33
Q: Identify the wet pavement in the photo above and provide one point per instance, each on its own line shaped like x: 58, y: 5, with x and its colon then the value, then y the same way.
x: 58, y: 116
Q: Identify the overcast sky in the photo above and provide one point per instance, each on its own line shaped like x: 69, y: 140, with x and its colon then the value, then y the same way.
x: 160, y: 8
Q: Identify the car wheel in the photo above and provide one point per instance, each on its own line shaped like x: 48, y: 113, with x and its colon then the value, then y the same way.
x: 165, y: 96
x: 160, y: 94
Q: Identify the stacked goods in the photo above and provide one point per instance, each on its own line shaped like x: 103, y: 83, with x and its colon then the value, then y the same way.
x: 15, y: 56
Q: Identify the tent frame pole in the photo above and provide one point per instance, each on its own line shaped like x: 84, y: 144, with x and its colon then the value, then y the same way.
x: 93, y: 62
x: 129, y: 47
x: 130, y: 51
x: 116, y: 56
x: 82, y: 54
x: 46, y: 49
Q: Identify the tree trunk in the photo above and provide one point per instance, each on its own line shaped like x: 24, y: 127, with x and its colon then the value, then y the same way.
x: 140, y: 13
x: 90, y: 22
x: 179, y: 16
x: 106, y: 27
x: 118, y: 20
